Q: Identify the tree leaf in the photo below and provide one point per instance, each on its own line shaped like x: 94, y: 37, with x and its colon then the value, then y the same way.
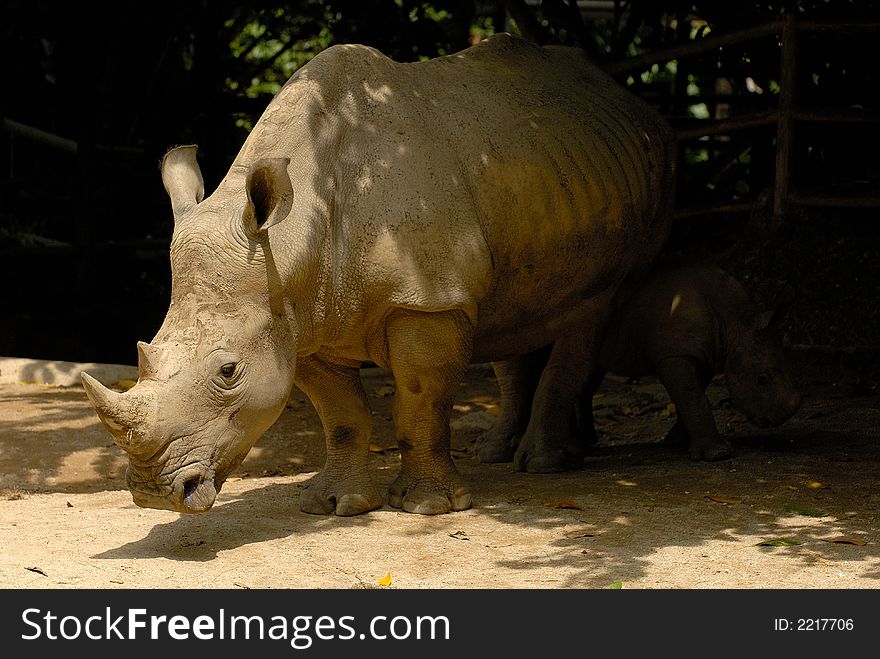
x: 806, y: 512
x: 385, y: 581
x: 780, y: 542
x: 568, y: 505
x: 728, y: 500
x: 617, y: 585
x: 38, y: 570
x: 847, y: 540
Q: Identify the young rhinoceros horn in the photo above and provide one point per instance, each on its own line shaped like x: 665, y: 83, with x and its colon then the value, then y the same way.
x: 126, y: 416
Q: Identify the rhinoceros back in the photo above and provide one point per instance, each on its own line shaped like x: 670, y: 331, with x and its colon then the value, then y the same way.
x: 508, y: 181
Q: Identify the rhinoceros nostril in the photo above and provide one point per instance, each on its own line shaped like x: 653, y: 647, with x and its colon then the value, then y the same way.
x: 198, y: 494
x: 190, y: 485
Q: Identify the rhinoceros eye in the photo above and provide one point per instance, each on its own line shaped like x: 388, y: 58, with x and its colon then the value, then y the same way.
x: 227, y: 370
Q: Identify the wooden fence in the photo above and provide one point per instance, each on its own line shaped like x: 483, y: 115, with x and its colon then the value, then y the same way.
x: 785, y: 117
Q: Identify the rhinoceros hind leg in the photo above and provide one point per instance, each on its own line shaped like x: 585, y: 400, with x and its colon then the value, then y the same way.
x: 550, y: 443
x: 344, y: 486
x: 677, y: 435
x: 517, y: 379
x: 428, y: 354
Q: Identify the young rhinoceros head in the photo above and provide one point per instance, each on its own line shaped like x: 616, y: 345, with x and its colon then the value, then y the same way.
x: 757, y: 378
x: 220, y: 369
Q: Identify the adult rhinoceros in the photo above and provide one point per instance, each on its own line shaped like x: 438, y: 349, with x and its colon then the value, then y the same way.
x: 422, y: 216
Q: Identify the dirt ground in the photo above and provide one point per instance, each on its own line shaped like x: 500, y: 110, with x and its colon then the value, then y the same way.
x: 638, y: 513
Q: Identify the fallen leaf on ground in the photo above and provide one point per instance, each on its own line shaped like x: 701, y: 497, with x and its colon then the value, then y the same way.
x: 385, y: 581
x: 617, y: 585
x: 816, y: 485
x: 730, y: 500
x: 780, y: 542
x: 806, y: 512
x: 37, y: 570
x: 459, y: 535
x: 567, y: 505
x: 846, y: 540
x: 579, y: 534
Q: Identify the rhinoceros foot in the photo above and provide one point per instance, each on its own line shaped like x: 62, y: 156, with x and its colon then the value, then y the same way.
x: 549, y: 462
x: 718, y: 449
x: 493, y: 446
x: 324, y: 496
x: 537, y: 453
x: 428, y: 496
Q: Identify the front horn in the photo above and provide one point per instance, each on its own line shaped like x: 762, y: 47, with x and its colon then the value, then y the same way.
x: 124, y: 415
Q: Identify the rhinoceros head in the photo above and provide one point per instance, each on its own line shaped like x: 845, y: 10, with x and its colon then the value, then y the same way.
x: 220, y: 369
x: 757, y: 378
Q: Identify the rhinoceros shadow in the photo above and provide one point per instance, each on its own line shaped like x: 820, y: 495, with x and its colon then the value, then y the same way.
x: 260, y: 515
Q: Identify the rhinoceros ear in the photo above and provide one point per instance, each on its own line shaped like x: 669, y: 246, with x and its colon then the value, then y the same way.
x: 269, y: 192
x: 784, y: 301
x: 182, y: 179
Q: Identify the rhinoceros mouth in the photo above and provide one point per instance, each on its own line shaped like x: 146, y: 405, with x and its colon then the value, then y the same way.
x: 190, y: 492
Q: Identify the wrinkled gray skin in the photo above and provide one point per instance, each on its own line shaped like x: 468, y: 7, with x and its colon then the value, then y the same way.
x: 422, y: 216
x: 685, y: 323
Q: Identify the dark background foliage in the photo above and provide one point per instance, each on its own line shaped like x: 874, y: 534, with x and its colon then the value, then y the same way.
x: 109, y: 87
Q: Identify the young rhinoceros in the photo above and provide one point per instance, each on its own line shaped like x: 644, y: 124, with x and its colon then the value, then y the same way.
x: 685, y: 324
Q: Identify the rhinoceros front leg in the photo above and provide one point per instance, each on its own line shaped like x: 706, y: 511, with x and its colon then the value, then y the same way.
x: 684, y: 382
x: 428, y: 354
x: 344, y: 485
x: 517, y: 379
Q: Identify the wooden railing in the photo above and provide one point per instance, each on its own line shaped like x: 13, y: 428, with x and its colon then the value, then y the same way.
x: 784, y: 118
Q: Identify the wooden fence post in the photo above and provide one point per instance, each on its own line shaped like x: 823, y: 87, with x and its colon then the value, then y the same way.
x: 785, y: 121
